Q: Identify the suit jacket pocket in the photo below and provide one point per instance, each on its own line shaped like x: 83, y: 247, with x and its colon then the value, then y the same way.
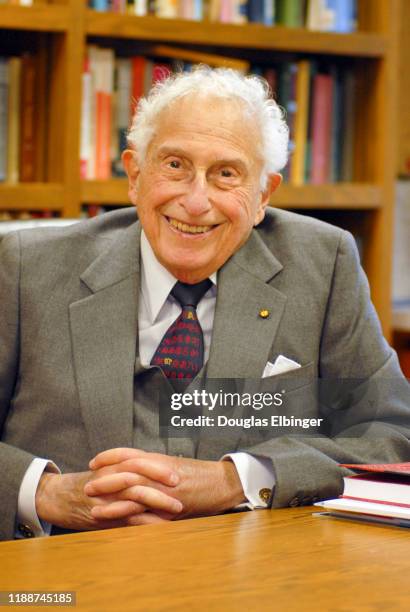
x: 290, y: 381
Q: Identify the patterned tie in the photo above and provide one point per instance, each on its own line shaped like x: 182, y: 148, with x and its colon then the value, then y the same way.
x: 180, y: 353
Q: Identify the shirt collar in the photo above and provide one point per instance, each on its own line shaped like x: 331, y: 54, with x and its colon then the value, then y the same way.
x: 156, y: 281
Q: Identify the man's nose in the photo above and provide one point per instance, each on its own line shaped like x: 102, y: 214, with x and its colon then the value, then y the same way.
x: 196, y: 200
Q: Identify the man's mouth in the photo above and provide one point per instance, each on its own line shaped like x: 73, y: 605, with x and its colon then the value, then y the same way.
x: 189, y: 229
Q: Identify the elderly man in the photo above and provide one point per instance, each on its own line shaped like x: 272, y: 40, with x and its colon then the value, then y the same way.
x: 87, y: 311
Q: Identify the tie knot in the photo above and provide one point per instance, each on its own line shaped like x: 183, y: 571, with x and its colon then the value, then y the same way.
x: 190, y: 295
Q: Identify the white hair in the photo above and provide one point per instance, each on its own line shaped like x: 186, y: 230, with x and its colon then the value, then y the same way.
x: 253, y: 91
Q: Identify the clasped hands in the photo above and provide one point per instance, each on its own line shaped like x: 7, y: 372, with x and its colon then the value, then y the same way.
x: 128, y: 486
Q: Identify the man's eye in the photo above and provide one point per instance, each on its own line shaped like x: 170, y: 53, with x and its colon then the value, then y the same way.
x: 226, y: 173
x: 174, y: 164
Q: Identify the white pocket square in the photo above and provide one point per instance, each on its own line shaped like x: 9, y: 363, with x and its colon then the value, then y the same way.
x: 282, y: 364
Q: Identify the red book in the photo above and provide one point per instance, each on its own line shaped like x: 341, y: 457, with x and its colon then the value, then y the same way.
x: 137, y: 81
x: 380, y: 488
x: 321, y: 128
x: 387, y: 468
x: 381, y: 483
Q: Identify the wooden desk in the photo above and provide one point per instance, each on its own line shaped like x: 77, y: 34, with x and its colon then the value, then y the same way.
x: 280, y: 560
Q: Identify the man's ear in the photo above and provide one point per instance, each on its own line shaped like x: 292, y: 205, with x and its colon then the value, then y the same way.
x: 274, y: 180
x: 129, y: 160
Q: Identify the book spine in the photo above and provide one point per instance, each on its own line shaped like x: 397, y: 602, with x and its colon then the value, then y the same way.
x: 13, y: 128
x: 140, y: 8
x: 123, y: 117
x: 166, y: 8
x: 148, y: 76
x: 256, y: 10
x: 313, y: 14
x: 290, y: 13
x: 239, y: 12
x: 198, y: 10
x: 345, y: 16
x: 137, y: 84
x: 104, y: 92
x: 86, y: 119
x: 348, y: 125
x: 336, y: 140
x: 269, y: 12
x: 27, y: 119
x: 321, y: 128
x: 101, y: 5
x: 4, y: 85
x: 297, y: 171
x: 287, y: 99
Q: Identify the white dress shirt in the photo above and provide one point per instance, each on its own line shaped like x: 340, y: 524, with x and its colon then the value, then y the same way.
x: 157, y: 311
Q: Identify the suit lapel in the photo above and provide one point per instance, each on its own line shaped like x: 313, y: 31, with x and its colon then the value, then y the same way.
x: 104, y: 338
x: 241, y: 338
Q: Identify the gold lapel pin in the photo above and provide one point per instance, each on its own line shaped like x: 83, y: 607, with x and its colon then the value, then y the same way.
x: 264, y: 313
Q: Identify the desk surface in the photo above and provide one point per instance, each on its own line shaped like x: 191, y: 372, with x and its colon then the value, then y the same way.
x: 280, y: 560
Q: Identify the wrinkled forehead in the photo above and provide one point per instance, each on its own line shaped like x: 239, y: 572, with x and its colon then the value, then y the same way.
x: 205, y: 106
x: 227, y: 118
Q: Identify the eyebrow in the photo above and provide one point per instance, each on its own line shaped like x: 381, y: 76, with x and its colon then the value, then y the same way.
x: 234, y: 161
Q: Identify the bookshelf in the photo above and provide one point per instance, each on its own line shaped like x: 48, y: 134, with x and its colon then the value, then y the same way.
x: 63, y: 29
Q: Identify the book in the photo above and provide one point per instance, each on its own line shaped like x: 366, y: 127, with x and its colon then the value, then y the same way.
x: 297, y: 170
x: 4, y: 85
x: 381, y: 488
x: 348, y: 124
x: 385, y: 468
x: 378, y: 491
x: 287, y: 75
x: 290, y: 13
x: 331, y: 15
x: 13, y: 128
x: 351, y: 511
x: 256, y: 11
x: 137, y: 80
x: 103, y: 104
x: 168, y: 9
x: 321, y: 119
x: 27, y: 118
x: 87, y: 170
x: 122, y: 114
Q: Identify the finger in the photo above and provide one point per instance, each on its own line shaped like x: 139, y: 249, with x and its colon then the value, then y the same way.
x: 111, y: 483
x: 114, y: 455
x: 116, y: 510
x: 152, y: 498
x: 152, y: 467
x: 146, y: 518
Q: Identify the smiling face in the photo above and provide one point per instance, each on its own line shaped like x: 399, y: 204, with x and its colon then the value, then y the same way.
x: 198, y: 190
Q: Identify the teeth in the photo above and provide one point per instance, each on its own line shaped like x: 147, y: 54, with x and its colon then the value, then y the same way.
x: 190, y: 229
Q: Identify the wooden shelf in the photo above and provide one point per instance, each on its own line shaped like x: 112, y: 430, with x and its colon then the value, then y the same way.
x: 250, y: 36
x: 346, y: 196
x: 31, y: 196
x: 114, y: 191
x: 332, y: 196
x: 40, y: 17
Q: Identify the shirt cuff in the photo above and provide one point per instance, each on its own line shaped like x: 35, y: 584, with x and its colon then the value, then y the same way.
x: 257, y: 478
x: 28, y: 523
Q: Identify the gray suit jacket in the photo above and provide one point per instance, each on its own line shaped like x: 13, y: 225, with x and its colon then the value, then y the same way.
x: 68, y: 342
